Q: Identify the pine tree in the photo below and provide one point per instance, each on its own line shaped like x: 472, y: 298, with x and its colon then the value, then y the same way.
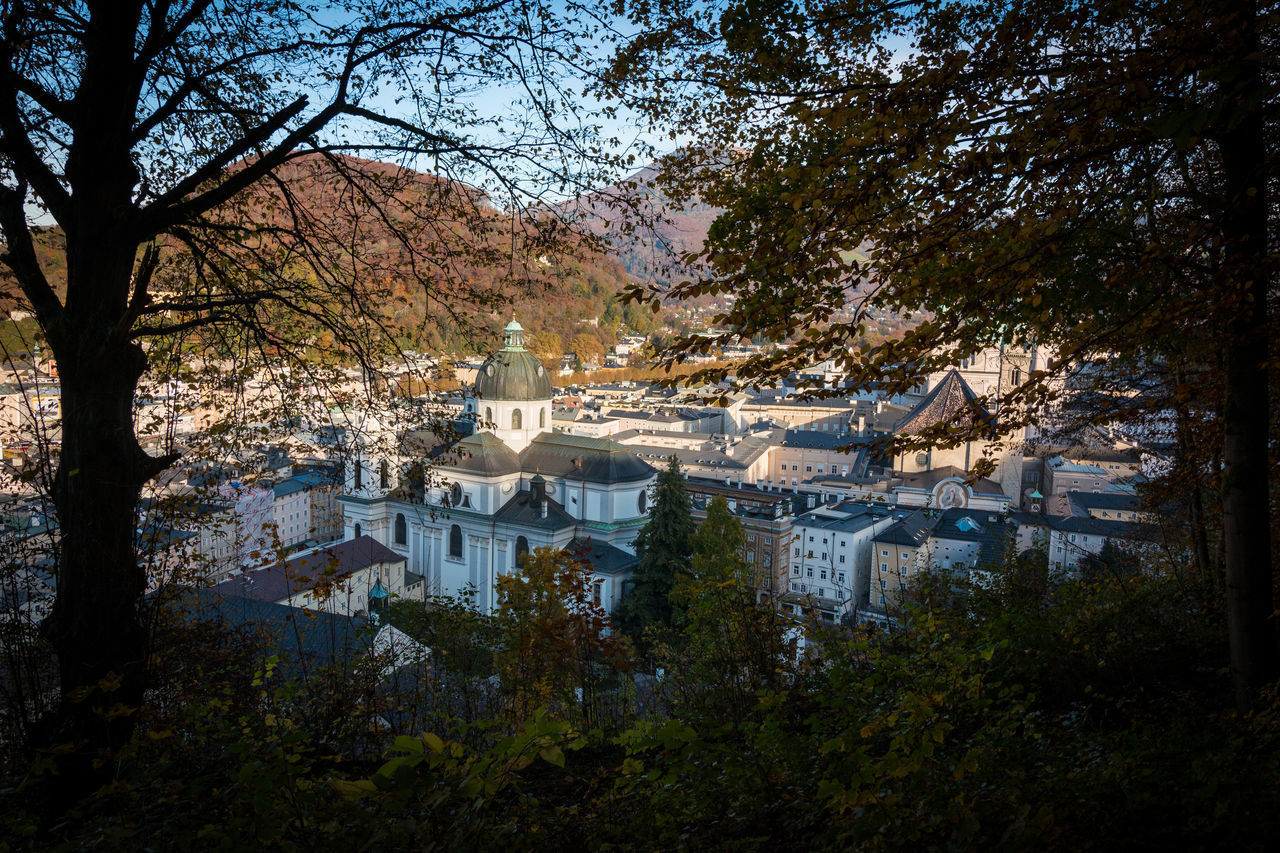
x: 663, y: 547
x: 730, y: 646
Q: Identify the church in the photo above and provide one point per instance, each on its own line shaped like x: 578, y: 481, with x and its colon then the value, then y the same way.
x: 511, y: 486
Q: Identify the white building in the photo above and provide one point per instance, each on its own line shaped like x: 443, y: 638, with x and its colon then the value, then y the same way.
x: 831, y: 554
x: 512, y: 486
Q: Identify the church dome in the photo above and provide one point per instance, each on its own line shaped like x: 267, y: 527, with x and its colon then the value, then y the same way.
x: 513, y: 373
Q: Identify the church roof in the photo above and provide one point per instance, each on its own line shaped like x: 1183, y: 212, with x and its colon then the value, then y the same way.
x: 513, y: 373
x: 604, y: 558
x: 483, y: 453
x: 578, y: 457
x: 947, y: 400
x: 522, y: 511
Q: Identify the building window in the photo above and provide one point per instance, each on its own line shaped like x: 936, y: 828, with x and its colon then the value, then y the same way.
x: 597, y: 590
x: 905, y: 556
x: 359, y: 474
x: 884, y: 584
x: 824, y: 555
x: 808, y: 469
x: 542, y: 418
x: 822, y: 575
x: 358, y: 532
x: 643, y: 502
x: 905, y: 570
x: 751, y: 556
x: 522, y: 548
x: 402, y: 529
x: 884, y: 567
x: 808, y: 571
x: 795, y: 467
x: 884, y: 553
x: 820, y: 468
x: 784, y: 466
x: 455, y: 542
x: 842, y: 558
x: 882, y: 599
x: 488, y: 415
x: 810, y: 538
x: 840, y: 579
x: 795, y: 570
x: 797, y: 553
x: 384, y: 474
x: 517, y: 419
x: 839, y: 595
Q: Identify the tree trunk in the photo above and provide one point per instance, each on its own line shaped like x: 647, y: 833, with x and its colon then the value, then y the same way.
x: 1246, y: 492
x: 96, y: 626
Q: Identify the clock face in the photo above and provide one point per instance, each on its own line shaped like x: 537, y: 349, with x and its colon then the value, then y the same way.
x: 952, y: 495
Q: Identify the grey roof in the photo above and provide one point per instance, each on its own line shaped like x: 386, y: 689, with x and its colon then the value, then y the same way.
x: 976, y: 526
x: 1110, y: 528
x: 577, y: 457
x: 950, y: 398
x: 301, y: 573
x: 513, y: 373
x: 912, y: 530
x: 847, y: 516
x: 302, y: 639
x: 603, y: 557
x: 1105, y: 500
x: 824, y: 440
x: 520, y: 510
x: 483, y: 453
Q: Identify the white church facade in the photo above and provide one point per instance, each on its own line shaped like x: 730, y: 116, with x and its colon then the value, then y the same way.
x: 511, y: 486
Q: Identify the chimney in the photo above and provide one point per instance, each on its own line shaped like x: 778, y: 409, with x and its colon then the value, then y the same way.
x: 538, y: 492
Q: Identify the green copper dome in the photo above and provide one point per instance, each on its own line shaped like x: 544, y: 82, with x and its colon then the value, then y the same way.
x: 513, y: 373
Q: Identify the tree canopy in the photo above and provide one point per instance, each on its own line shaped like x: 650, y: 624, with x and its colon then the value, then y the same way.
x: 1089, y: 178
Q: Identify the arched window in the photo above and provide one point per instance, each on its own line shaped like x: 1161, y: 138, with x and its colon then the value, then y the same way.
x: 644, y: 502
x: 357, y: 530
x: 522, y: 548
x: 359, y: 473
x: 542, y: 418
x: 384, y: 474
x: 402, y: 529
x: 455, y: 542
x: 517, y: 419
x: 1017, y: 376
x: 488, y: 415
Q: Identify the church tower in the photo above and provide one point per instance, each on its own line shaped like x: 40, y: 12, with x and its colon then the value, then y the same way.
x: 513, y: 392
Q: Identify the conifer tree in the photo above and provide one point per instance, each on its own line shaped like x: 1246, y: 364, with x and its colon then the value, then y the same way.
x: 730, y: 645
x: 663, y: 547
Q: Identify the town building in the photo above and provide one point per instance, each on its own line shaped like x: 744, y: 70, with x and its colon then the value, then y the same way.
x: 511, y: 486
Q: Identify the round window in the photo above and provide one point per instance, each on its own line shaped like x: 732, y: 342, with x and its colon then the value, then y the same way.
x: 489, y: 370
x: 539, y: 369
x: 455, y: 494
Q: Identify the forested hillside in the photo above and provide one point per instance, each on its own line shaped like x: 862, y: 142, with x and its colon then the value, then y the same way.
x: 482, y: 261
